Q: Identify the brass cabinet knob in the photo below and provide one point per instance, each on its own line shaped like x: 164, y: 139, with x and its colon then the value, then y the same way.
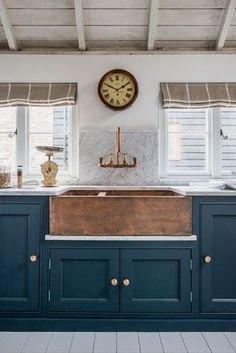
x: 114, y: 282
x: 33, y: 258
x: 126, y: 282
x: 207, y: 259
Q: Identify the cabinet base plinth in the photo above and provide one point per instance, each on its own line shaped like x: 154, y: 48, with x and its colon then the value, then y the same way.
x: 116, y: 325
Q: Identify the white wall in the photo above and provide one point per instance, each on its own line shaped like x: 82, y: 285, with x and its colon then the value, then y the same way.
x: 87, y: 70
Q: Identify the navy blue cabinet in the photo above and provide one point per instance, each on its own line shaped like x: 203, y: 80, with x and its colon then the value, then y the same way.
x: 123, y: 285
x: 218, y: 262
x: 80, y: 280
x: 22, y: 223
x: 148, y: 280
x: 19, y: 239
x: 159, y: 280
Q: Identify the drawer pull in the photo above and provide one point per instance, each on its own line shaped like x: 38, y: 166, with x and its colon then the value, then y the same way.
x: 33, y: 258
x: 114, y: 282
x: 126, y: 282
x: 207, y: 259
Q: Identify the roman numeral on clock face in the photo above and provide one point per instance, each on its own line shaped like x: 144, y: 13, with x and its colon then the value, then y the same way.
x: 107, y: 95
x: 117, y: 102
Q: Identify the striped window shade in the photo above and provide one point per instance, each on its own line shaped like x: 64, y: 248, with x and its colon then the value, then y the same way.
x: 37, y: 94
x: 198, y: 95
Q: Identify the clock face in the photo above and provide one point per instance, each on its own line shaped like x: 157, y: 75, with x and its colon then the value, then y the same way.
x: 118, y: 89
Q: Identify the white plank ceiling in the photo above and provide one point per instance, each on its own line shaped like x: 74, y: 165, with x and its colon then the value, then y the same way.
x: 120, y: 25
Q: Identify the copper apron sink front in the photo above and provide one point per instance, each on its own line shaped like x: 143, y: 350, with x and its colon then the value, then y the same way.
x: 120, y: 212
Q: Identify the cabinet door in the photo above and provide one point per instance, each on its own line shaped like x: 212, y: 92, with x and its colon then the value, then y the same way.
x: 219, y: 243
x: 80, y: 280
x: 160, y: 280
x: 20, y: 226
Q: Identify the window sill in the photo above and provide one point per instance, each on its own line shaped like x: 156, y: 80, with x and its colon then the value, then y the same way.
x: 36, y: 180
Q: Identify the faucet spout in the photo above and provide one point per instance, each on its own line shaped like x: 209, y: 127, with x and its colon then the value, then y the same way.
x: 118, y: 163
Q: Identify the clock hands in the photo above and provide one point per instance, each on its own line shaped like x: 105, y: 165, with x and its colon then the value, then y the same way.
x: 117, y: 89
x: 111, y: 86
x: 123, y: 86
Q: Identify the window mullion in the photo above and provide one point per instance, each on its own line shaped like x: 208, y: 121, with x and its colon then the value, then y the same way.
x: 163, y: 143
x: 74, y: 135
x: 216, y: 142
x: 209, y: 142
x: 21, y: 137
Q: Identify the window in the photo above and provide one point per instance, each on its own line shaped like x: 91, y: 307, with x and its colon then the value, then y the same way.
x: 49, y: 126
x: 228, y: 141
x: 195, y: 142
x: 187, y: 141
x: 7, y: 129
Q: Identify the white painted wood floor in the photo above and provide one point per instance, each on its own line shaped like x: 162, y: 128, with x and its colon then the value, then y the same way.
x: 120, y: 342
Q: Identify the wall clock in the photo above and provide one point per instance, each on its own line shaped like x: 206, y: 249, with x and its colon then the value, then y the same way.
x: 118, y: 89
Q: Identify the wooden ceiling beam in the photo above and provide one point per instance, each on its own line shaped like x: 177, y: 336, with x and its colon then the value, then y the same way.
x: 225, y: 24
x: 7, y: 25
x: 152, y: 27
x: 80, y: 24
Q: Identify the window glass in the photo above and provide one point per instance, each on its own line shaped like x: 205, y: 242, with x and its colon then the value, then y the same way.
x: 50, y: 126
x: 187, y: 136
x: 228, y: 145
x: 7, y: 129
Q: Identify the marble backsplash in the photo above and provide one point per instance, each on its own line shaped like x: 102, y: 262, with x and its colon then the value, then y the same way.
x: 99, y: 143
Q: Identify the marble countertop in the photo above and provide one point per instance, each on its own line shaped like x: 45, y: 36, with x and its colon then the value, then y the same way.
x: 123, y: 237
x: 199, y: 190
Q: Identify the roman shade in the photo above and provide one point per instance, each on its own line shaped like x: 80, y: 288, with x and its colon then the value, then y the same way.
x: 37, y: 94
x: 198, y: 95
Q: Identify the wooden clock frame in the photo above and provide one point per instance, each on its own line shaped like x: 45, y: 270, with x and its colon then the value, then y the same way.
x: 124, y: 72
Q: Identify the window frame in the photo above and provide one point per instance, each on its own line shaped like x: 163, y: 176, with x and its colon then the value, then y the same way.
x: 214, y: 162
x: 22, y: 145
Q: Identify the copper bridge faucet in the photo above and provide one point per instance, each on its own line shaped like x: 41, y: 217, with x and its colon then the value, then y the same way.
x: 121, y: 159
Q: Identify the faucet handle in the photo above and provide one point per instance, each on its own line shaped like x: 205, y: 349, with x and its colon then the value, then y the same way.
x: 110, y: 161
x: 125, y: 160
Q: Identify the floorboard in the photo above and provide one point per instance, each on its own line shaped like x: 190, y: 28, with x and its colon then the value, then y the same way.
x: 195, y: 342
x: 60, y: 342
x: 172, y: 342
x: 231, y: 337
x: 38, y: 342
x: 83, y: 342
x: 117, y: 342
x: 149, y: 342
x: 127, y: 342
x: 14, y: 342
x: 218, y: 343
x: 105, y: 342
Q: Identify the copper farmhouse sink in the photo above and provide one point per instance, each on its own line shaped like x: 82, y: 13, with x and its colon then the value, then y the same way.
x: 120, y: 212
